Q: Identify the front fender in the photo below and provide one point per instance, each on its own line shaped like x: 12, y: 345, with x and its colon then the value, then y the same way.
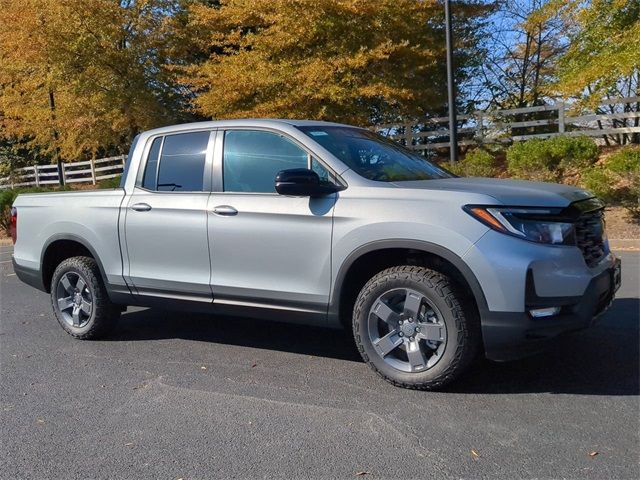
x: 404, y: 243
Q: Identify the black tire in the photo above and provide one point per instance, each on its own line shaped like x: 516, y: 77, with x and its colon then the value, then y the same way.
x: 103, y: 314
x: 462, y: 339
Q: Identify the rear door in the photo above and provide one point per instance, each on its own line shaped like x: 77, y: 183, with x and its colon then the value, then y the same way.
x: 166, y: 218
x: 267, y: 250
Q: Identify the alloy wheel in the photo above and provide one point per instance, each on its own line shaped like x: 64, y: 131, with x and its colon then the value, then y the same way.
x: 75, y: 300
x: 406, y: 330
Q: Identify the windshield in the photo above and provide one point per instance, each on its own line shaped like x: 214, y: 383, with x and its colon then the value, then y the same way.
x: 373, y: 156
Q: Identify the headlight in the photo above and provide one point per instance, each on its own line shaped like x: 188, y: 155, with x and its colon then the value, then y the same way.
x: 541, y: 225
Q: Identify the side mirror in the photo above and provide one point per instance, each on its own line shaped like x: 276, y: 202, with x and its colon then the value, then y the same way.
x: 302, y: 182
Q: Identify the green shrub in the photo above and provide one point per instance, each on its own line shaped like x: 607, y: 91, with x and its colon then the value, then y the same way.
x: 625, y: 161
x: 6, y: 199
x: 109, y: 182
x: 554, y: 159
x: 598, y: 181
x: 617, y: 179
x: 476, y: 163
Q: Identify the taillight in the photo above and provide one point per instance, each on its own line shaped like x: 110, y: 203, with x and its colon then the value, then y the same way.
x: 14, y: 224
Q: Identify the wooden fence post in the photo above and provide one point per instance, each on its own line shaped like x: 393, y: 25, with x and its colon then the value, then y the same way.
x: 560, y: 106
x: 35, y: 175
x: 63, y: 179
x: 93, y: 171
x: 408, y: 135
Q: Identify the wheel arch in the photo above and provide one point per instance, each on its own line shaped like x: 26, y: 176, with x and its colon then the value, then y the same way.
x: 348, y: 281
x: 59, y: 247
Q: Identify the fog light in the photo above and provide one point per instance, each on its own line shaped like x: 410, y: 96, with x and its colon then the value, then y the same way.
x: 544, y: 312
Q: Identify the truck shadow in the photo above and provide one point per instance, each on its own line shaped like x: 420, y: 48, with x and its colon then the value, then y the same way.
x: 603, y: 360
x: 155, y: 324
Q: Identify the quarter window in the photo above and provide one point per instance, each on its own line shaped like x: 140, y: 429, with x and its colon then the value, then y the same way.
x: 151, y: 169
x: 253, y: 158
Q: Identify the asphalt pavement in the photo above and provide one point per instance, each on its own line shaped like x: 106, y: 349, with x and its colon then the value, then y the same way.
x: 173, y: 395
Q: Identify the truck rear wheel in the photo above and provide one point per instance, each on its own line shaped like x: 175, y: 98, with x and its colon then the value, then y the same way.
x: 414, y: 327
x: 80, y: 301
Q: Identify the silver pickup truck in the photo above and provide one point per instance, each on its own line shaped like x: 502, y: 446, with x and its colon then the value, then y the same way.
x: 323, y: 224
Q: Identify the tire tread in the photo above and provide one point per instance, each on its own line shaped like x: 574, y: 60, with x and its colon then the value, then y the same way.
x: 467, y: 326
x: 106, y: 313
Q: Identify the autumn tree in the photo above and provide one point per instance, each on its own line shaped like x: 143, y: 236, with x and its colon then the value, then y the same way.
x: 520, y: 55
x: 602, y: 59
x: 82, y: 77
x: 356, y: 61
x: 603, y: 55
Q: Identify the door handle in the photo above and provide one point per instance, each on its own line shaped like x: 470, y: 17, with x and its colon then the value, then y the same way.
x: 225, y: 210
x: 141, y: 207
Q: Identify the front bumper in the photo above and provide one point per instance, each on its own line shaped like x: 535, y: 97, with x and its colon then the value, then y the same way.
x: 512, y: 335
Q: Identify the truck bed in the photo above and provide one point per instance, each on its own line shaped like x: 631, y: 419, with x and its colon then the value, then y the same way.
x: 90, y: 215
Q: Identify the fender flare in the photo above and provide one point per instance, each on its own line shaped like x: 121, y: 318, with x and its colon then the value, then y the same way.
x: 73, y: 238
x: 419, y: 245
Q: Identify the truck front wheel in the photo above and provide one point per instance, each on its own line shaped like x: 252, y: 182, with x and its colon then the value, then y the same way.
x: 80, y: 301
x: 415, y: 328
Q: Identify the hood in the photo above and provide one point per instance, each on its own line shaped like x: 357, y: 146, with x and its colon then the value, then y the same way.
x: 507, y: 192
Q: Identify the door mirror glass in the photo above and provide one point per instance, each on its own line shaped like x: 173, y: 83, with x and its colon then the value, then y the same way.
x: 302, y: 182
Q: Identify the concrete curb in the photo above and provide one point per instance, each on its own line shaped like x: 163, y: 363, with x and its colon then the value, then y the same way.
x: 625, y: 244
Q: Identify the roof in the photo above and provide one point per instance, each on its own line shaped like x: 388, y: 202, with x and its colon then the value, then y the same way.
x: 248, y: 122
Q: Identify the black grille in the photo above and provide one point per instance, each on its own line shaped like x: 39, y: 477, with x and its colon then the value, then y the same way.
x: 589, y: 236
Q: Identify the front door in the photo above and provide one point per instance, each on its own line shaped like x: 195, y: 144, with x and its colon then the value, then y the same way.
x: 268, y: 250
x: 166, y: 236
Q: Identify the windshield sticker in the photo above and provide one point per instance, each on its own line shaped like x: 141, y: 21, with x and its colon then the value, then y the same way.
x: 318, y: 133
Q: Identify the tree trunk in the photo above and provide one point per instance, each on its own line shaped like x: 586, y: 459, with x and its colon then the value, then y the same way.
x: 52, y: 106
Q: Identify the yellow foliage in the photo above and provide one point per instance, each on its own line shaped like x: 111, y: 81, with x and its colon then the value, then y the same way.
x: 74, y: 75
x: 82, y: 77
x: 349, y: 60
x: 603, y: 49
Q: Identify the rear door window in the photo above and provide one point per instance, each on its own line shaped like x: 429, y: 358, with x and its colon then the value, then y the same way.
x: 182, y: 162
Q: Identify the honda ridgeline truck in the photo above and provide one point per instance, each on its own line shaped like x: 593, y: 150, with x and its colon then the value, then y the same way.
x: 323, y: 224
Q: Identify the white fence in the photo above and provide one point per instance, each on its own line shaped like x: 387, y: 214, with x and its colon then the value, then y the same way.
x: 612, y: 120
x: 89, y: 171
